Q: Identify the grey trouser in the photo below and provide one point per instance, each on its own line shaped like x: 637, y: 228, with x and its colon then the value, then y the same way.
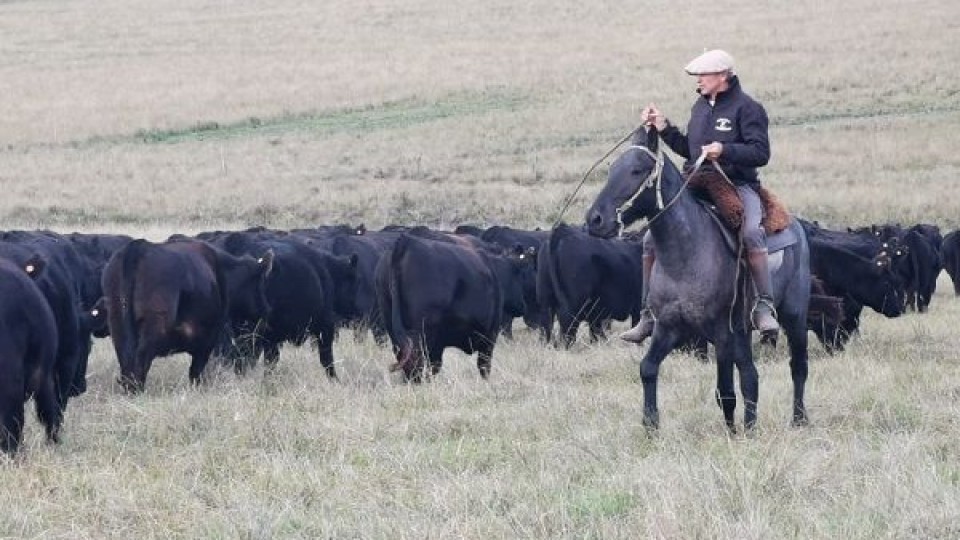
x: 754, y: 238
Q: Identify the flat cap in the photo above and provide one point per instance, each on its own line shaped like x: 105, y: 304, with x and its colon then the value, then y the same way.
x: 715, y: 61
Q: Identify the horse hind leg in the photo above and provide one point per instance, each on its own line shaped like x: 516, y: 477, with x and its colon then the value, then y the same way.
x: 738, y: 352
x: 797, y: 339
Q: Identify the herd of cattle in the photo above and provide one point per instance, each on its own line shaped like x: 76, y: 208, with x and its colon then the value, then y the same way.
x: 239, y: 295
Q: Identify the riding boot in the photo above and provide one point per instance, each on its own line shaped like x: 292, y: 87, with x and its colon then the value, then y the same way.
x: 764, y: 315
x: 644, y: 327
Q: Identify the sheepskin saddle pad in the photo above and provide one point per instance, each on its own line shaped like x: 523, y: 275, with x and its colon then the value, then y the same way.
x: 711, y: 185
x: 720, y: 198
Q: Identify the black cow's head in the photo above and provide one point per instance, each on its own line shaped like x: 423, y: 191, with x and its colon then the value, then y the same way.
x: 245, y: 288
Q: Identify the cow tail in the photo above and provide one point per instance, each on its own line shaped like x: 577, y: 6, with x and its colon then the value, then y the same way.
x: 397, y: 328
x: 132, y: 254
x: 558, y: 293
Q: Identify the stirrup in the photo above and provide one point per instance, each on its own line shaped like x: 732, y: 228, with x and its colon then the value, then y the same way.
x: 643, y: 329
x: 768, y: 302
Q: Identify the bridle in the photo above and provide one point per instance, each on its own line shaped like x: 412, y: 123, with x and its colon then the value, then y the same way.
x: 654, y: 180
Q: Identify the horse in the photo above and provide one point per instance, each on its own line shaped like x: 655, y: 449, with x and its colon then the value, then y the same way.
x: 697, y: 285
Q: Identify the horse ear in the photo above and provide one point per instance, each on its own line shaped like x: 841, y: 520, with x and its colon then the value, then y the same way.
x: 653, y: 140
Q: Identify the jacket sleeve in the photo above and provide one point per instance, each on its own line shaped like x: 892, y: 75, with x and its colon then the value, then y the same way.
x: 754, y: 150
x: 676, y: 140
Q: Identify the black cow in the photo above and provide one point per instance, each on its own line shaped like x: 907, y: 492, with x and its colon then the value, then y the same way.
x: 523, y: 243
x: 920, y: 269
x: 95, y: 250
x: 859, y: 281
x: 582, y: 278
x: 366, y: 250
x: 915, y: 257
x: 950, y: 257
x: 61, y: 285
x: 515, y: 268
x: 177, y: 296
x: 310, y: 292
x: 437, y: 294
x: 28, y: 348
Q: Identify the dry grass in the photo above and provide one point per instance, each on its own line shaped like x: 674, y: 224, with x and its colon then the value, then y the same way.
x: 155, y: 117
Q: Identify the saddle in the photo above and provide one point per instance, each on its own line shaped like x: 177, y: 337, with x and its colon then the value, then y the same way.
x: 720, y: 198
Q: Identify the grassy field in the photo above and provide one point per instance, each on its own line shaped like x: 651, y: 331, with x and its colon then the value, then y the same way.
x: 166, y: 116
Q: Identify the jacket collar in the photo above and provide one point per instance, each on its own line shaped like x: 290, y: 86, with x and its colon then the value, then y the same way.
x: 733, y: 88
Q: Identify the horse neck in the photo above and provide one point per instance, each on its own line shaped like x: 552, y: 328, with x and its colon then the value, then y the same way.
x: 682, y: 231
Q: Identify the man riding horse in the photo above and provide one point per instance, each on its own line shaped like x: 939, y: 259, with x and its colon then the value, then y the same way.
x: 730, y: 128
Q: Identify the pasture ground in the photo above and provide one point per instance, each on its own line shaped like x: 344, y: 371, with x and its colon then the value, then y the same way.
x: 178, y: 116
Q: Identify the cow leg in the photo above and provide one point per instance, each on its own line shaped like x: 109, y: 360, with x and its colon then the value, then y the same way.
x: 506, y: 327
x: 380, y: 335
x: 410, y: 358
x: 545, y: 324
x: 245, y: 351
x: 598, y: 330
x: 137, y: 380
x: 124, y: 335
x: 484, y: 348
x: 79, y: 384
x: 435, y: 356
x: 660, y: 346
x: 325, y: 349
x: 48, y: 409
x: 271, y: 355
x: 198, y: 363
x: 11, y: 410
x: 568, y: 330
x: 151, y: 334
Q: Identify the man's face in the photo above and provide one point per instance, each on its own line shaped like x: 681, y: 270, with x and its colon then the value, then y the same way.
x: 710, y: 83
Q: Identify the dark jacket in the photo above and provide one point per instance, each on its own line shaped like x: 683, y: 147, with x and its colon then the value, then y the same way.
x: 738, y: 122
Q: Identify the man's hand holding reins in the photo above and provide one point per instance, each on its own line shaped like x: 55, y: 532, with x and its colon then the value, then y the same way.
x: 652, y: 117
x: 712, y: 151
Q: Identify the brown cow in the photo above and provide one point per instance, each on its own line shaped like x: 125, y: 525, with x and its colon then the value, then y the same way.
x: 178, y: 296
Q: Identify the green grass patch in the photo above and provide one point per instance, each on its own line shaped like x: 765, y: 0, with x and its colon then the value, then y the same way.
x: 358, y: 120
x: 602, y: 504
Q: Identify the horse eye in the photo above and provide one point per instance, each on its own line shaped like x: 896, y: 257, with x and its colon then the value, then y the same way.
x: 635, y: 172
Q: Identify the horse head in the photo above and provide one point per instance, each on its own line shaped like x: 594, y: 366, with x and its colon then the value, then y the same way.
x: 631, y: 191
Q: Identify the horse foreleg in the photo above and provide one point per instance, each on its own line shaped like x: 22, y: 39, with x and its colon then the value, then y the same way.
x: 726, y: 394
x: 660, y: 346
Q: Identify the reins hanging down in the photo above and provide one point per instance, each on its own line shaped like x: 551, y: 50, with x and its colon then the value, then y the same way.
x: 566, y: 204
